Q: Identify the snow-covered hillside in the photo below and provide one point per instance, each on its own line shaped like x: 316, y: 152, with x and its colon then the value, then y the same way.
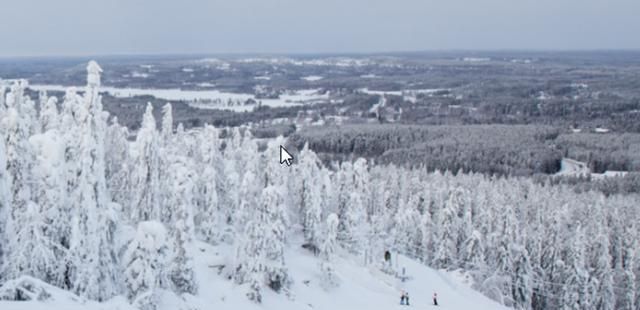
x: 96, y: 220
x: 360, y: 287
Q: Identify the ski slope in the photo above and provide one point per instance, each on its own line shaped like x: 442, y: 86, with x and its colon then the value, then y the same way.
x: 360, y: 288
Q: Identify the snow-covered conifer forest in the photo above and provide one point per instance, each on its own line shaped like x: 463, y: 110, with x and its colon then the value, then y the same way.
x: 87, y: 210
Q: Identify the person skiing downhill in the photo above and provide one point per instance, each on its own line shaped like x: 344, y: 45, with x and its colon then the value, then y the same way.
x: 404, y: 298
x: 435, y: 298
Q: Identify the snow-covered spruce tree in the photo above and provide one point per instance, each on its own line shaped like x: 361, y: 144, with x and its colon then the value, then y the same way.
x: 248, y: 194
x: 475, y: 262
x: 426, y: 238
x: 28, y: 111
x: 406, y: 229
x: 418, y: 250
x: 355, y: 230
x: 145, y: 178
x: 362, y: 186
x: 260, y: 251
x: 70, y: 129
x: 625, y: 270
x: 51, y: 222
x: 118, y: 163
x: 522, y: 286
x: 49, y: 116
x: 145, y: 264
x: 19, y: 155
x: 34, y: 255
x: 167, y: 124
x: 383, y: 216
x: 602, y: 278
x: 182, y: 204
x: 3, y: 90
x: 168, y: 147
x: 230, y: 187
x: 446, y: 243
x: 22, y: 222
x: 604, y: 296
x: 249, y: 260
x: 503, y: 241
x: 391, y: 190
x: 181, y: 269
x: 344, y: 177
x: 271, y: 203
x: 465, y: 221
x: 92, y: 266
x: 327, y: 252
x: 549, y: 259
x: 209, y: 222
x: 5, y: 195
x: 575, y: 294
x: 274, y: 175
x: 311, y: 198
x: 5, y: 191
x: 473, y: 256
x: 246, y: 146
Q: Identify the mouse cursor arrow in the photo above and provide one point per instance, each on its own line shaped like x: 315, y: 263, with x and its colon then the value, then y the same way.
x: 285, y: 157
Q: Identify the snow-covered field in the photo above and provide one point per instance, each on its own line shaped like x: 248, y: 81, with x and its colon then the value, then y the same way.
x: 207, y: 99
x: 381, y: 92
x: 360, y: 288
x: 335, y: 61
x: 312, y: 78
x: 407, y: 95
x: 571, y: 167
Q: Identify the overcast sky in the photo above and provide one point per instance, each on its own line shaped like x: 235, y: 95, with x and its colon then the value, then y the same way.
x: 89, y: 27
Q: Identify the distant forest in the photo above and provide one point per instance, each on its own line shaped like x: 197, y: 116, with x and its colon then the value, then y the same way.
x: 490, y: 149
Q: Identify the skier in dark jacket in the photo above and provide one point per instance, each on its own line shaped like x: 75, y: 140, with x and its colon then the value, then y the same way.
x: 435, y: 298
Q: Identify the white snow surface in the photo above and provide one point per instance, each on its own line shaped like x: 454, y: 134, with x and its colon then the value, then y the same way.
x: 476, y: 59
x: 141, y: 75
x: 334, y: 61
x: 381, y: 92
x: 171, y: 94
x: 360, y: 288
x: 572, y: 167
x: 312, y: 78
x: 609, y: 174
x: 409, y: 95
x: 53, y: 298
x: 206, y: 99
